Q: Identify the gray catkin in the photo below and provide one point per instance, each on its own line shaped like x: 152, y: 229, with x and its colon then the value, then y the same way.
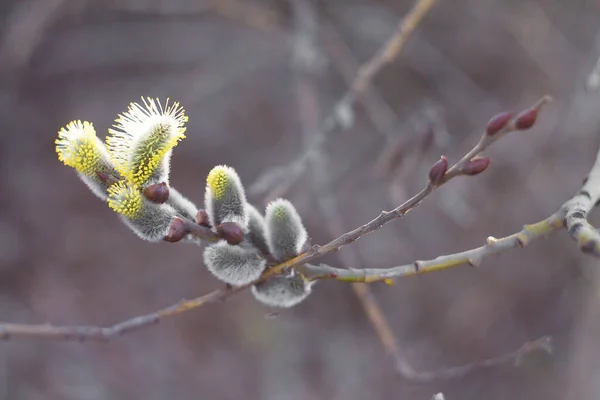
x: 236, y: 265
x: 282, y: 291
x: 231, y: 207
x: 154, y: 223
x: 286, y: 233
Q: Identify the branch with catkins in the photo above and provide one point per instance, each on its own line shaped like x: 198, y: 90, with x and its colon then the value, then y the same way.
x: 271, y: 253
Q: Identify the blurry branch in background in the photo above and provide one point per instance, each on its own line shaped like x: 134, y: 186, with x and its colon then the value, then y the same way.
x: 248, y: 13
x: 23, y: 30
x: 276, y: 181
x: 307, y: 97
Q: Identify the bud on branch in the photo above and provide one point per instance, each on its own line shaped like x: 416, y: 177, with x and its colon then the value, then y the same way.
x: 157, y: 193
x: 498, y: 122
x: 438, y: 170
x: 231, y: 232
x: 476, y: 166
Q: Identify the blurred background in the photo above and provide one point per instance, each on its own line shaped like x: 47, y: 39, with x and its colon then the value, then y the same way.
x: 255, y: 77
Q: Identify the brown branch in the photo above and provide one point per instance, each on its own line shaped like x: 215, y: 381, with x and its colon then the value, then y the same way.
x: 83, y: 333
x: 341, y: 115
x: 8, y: 330
x: 578, y: 208
x: 472, y: 257
x: 407, y: 372
x: 105, y: 334
x: 541, y: 344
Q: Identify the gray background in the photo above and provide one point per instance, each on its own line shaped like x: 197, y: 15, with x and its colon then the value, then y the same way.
x: 66, y: 259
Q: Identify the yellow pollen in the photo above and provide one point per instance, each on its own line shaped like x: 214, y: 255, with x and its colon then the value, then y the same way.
x: 78, y: 147
x: 125, y: 199
x: 218, y: 181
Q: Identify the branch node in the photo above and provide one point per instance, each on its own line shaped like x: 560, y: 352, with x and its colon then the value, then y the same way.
x: 490, y: 240
x: 474, y: 262
x: 417, y: 265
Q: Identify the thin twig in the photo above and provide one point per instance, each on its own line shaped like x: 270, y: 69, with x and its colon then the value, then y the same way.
x: 541, y: 344
x: 398, y: 212
x: 471, y: 257
x: 341, y: 114
x: 82, y: 333
x: 105, y: 334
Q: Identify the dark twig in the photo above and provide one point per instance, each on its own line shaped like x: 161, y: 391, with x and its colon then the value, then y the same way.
x: 100, y: 334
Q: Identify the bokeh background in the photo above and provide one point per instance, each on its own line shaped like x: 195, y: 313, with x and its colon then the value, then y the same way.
x: 236, y: 67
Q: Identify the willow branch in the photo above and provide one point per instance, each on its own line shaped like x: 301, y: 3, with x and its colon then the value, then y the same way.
x: 81, y: 333
x: 472, y: 257
x: 458, y: 169
x: 104, y: 334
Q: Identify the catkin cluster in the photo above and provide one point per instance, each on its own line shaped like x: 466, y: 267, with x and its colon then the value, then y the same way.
x: 130, y: 171
x: 279, y: 235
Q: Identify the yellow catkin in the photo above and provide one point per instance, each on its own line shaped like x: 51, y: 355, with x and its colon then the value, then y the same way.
x: 218, y: 181
x: 280, y: 212
x: 126, y: 199
x: 78, y: 147
x: 143, y: 135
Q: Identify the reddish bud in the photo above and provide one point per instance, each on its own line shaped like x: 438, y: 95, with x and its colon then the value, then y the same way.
x: 438, y: 170
x: 476, y: 166
x: 231, y: 232
x: 177, y: 231
x: 498, y: 122
x: 202, y: 218
x: 157, y: 193
x: 526, y: 119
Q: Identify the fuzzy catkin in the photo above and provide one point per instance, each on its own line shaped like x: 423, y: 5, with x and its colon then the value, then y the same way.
x: 233, y: 264
x: 286, y: 233
x: 282, y: 291
x: 225, y: 198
